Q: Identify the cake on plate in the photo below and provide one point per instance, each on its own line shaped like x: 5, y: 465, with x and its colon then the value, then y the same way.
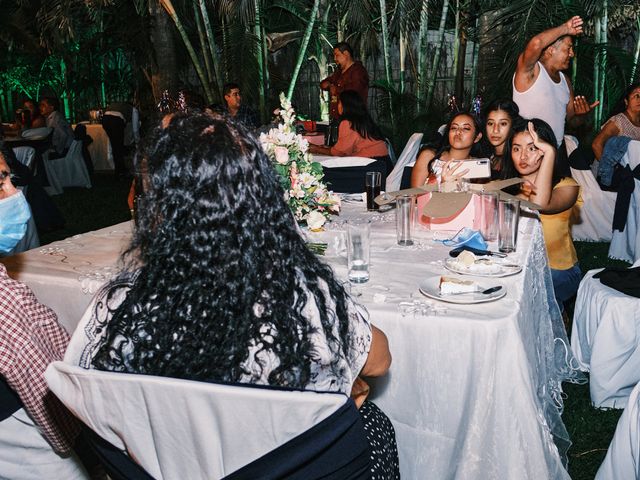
x: 453, y: 285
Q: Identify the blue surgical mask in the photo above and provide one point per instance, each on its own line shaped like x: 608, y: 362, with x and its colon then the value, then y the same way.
x: 14, y: 215
x: 468, y: 237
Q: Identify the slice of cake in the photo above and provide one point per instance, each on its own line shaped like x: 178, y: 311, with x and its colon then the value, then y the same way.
x: 452, y: 286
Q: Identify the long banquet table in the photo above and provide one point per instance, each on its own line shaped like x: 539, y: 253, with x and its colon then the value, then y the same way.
x: 473, y: 391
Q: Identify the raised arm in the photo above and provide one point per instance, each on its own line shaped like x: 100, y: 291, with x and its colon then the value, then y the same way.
x: 527, y: 61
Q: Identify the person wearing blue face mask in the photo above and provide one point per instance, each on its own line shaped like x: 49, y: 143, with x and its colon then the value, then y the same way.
x: 14, y: 211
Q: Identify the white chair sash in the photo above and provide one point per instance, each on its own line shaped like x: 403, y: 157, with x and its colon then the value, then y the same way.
x: 185, y: 429
x: 68, y: 171
x: 25, y: 155
x: 406, y: 158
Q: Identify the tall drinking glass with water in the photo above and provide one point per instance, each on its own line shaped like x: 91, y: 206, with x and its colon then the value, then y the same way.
x: 358, y: 251
x: 489, y: 216
x: 508, y: 217
x: 405, y: 219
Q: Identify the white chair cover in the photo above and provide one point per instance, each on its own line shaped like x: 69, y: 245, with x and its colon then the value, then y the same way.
x: 626, y: 245
x: 605, y: 341
x: 406, y: 158
x: 184, y: 429
x: 596, y: 213
x: 328, y: 161
x: 69, y: 171
x: 25, y: 155
x: 623, y: 457
x: 36, y: 133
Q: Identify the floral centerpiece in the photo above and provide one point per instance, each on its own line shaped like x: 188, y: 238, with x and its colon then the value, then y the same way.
x: 300, y: 176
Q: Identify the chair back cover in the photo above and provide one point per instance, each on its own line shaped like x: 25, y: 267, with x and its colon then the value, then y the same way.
x: 68, y: 171
x: 408, y: 156
x: 623, y: 457
x: 186, y: 429
x: 625, y: 245
x: 25, y: 155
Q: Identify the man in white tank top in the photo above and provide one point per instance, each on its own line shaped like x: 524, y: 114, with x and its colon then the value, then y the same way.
x: 540, y: 89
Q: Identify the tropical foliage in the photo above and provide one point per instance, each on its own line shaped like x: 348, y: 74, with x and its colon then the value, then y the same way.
x: 418, y: 51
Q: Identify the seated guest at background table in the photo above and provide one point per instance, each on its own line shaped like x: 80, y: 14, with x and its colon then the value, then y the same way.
x: 62, y: 133
x: 350, y: 75
x: 498, y: 120
x: 624, y: 120
x: 358, y: 135
x: 460, y: 142
x: 37, y: 120
x: 533, y: 153
x: 234, y: 108
x: 184, y: 307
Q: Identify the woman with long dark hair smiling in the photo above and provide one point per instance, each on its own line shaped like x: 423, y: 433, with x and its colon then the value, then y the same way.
x: 219, y: 286
x: 358, y: 135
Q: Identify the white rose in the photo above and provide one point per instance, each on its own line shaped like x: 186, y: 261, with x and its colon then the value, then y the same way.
x: 282, y: 155
x: 315, y: 220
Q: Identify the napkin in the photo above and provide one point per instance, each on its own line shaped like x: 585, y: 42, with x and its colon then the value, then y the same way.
x: 466, y: 236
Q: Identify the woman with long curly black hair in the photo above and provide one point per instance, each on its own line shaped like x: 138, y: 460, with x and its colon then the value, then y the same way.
x: 219, y: 285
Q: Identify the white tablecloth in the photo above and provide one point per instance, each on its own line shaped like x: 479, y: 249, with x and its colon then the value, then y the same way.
x: 625, y: 245
x: 64, y: 275
x: 473, y: 391
x: 100, y: 148
x: 605, y: 341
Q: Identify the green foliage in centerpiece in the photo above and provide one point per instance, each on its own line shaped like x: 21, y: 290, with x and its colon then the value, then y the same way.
x: 300, y: 177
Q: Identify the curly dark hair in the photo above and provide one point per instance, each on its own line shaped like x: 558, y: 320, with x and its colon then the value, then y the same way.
x: 215, y: 261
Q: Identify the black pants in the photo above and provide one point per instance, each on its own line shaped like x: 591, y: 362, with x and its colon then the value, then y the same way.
x: 114, y: 126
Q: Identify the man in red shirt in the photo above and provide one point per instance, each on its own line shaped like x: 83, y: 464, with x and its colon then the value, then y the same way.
x: 350, y: 75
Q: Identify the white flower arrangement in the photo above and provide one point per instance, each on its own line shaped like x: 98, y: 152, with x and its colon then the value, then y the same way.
x: 300, y: 176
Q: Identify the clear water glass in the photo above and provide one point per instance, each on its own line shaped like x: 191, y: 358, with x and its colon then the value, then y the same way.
x: 358, y: 251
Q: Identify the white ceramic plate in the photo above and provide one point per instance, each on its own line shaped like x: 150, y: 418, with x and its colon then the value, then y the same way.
x: 490, y: 269
x: 431, y: 288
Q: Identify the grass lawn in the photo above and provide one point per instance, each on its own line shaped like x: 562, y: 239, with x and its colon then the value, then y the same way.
x: 590, y: 429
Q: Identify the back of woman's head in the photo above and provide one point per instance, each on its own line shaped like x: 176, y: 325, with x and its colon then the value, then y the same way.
x: 355, y: 111
x: 220, y: 262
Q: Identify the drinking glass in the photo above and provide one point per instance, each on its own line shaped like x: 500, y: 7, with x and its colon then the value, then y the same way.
x: 508, y: 216
x: 358, y: 251
x: 489, y: 216
x: 372, y: 185
x: 405, y: 219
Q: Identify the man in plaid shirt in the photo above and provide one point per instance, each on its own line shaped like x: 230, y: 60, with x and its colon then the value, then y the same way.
x: 36, y: 439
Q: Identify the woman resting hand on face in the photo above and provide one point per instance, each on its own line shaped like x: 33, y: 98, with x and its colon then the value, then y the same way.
x: 533, y: 155
x: 462, y: 134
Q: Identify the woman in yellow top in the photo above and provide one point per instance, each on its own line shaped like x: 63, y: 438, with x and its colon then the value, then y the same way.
x: 533, y: 155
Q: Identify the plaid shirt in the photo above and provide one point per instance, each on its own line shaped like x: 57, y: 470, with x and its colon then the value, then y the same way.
x: 30, y: 339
